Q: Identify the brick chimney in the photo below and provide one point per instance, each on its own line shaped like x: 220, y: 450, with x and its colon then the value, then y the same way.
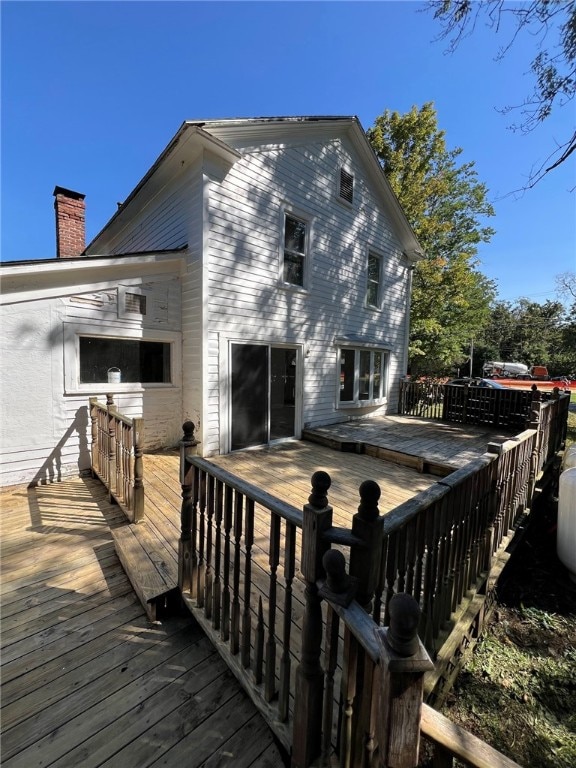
x: 70, y: 223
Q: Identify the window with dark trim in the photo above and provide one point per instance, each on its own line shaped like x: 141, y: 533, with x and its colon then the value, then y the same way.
x: 362, y: 375
x: 373, y: 282
x: 145, y: 362
x: 295, y: 243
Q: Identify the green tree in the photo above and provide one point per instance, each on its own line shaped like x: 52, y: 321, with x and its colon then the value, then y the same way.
x: 530, y: 333
x: 550, y: 26
x: 445, y: 203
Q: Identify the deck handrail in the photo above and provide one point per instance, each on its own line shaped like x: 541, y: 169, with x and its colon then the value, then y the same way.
x: 116, y: 455
x: 440, y: 544
x: 373, y: 685
x: 239, y: 572
x: 237, y: 577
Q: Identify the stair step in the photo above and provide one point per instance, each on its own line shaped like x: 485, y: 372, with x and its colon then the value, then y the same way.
x: 150, y: 566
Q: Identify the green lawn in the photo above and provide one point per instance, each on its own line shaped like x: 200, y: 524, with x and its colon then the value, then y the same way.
x: 571, y: 432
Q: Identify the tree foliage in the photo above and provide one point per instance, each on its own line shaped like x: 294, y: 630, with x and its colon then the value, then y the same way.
x: 445, y: 203
x: 551, y: 24
x: 531, y: 333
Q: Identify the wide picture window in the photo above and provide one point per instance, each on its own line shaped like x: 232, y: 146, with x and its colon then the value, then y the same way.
x: 362, y: 379
x: 145, y: 362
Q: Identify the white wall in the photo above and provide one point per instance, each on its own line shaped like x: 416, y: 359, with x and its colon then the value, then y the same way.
x: 45, y: 432
x: 244, y: 299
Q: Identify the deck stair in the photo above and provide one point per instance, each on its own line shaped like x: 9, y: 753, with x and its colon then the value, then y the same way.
x: 152, y: 567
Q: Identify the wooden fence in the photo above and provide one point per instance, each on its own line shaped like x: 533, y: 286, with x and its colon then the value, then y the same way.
x: 464, y: 404
x: 117, y: 456
x: 253, y: 571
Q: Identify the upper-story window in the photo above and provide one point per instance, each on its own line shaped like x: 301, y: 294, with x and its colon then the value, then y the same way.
x: 346, y: 186
x: 295, y: 245
x: 373, y: 282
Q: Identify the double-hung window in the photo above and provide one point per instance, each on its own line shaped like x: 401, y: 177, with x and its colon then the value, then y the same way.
x: 373, y: 281
x: 295, y: 246
x: 362, y: 376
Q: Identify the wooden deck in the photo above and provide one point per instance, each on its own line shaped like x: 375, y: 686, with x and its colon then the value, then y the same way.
x: 423, y: 444
x: 87, y: 679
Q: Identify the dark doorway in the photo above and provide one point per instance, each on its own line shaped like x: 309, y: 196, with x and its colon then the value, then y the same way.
x: 263, y: 394
x: 249, y: 395
x: 282, y: 392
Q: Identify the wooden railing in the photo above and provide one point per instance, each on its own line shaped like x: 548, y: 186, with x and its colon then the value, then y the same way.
x: 373, y: 713
x: 117, y: 456
x: 510, y: 408
x: 237, y: 567
x: 299, y: 632
x: 423, y: 399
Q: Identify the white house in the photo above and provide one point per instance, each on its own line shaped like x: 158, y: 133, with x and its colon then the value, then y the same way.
x: 255, y: 281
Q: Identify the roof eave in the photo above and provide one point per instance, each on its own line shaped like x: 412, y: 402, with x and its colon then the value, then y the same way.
x: 186, y: 132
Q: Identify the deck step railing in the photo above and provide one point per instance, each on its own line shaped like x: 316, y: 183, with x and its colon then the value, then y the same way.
x: 117, y: 449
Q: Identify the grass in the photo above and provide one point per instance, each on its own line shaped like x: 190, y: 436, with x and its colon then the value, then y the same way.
x: 518, y: 689
x: 571, y: 433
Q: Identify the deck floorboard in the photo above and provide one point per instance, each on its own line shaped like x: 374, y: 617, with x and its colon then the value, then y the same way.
x: 86, y: 678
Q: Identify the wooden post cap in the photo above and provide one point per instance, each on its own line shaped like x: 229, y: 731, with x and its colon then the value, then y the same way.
x: 402, y: 634
x: 339, y: 587
x: 321, y: 481
x: 188, y: 429
x: 369, y: 495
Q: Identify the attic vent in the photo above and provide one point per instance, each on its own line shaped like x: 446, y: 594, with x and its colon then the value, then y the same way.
x: 346, y: 186
x: 135, y: 302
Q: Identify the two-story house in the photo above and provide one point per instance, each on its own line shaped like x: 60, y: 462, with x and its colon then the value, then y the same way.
x: 255, y: 281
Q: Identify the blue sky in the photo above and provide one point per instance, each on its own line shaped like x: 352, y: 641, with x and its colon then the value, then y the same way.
x: 93, y: 91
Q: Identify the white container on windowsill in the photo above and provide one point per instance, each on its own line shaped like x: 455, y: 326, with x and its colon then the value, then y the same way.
x: 114, y: 375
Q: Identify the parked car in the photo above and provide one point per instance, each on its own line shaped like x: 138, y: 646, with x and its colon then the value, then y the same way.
x: 490, y: 383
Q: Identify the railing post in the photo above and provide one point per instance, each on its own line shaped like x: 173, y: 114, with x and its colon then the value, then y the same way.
x: 307, y: 734
x: 111, y: 445
x: 365, y: 569
x: 94, y: 434
x: 535, y: 423
x: 138, y: 444
x: 365, y: 557
x: 403, y: 663
x: 186, y: 554
x: 493, y: 527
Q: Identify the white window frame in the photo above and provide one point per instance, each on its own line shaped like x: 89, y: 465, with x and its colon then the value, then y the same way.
x: 72, y: 333
x: 225, y: 347
x: 374, y: 254
x: 382, y: 396
x: 306, y: 219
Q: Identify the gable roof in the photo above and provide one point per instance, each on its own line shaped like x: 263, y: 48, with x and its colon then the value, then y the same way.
x: 224, y: 138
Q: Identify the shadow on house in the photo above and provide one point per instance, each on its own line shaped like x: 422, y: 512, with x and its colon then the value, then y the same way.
x: 51, y: 469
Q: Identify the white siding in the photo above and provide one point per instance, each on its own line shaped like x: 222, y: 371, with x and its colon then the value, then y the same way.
x: 243, y: 294
x: 192, y: 310
x: 45, y: 428
x: 158, y: 224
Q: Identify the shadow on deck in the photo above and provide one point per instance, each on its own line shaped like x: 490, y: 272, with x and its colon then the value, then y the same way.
x: 87, y: 679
